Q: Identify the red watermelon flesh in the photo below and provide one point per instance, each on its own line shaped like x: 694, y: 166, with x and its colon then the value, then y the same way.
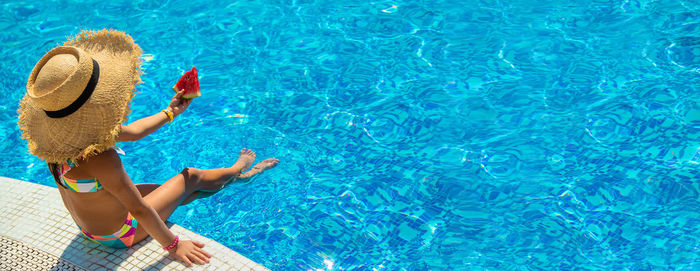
x: 190, y: 83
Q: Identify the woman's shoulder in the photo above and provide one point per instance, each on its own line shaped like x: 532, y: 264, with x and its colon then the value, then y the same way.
x: 109, y: 157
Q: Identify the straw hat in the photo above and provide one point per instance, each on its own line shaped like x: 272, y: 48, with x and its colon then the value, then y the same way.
x: 78, y: 95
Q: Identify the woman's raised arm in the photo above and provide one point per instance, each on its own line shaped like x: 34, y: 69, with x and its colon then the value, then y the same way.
x: 145, y: 126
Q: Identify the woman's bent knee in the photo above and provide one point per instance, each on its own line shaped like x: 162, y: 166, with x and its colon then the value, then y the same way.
x: 192, y: 175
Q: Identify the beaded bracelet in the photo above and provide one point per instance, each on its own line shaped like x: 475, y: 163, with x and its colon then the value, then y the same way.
x: 169, y: 113
x: 173, y: 245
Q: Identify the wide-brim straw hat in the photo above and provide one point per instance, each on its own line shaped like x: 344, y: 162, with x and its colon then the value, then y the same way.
x: 78, y: 95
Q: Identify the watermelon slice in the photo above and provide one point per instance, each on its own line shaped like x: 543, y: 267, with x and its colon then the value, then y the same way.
x: 190, y: 83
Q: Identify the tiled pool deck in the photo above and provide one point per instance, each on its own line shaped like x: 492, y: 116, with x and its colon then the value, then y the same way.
x: 37, y: 233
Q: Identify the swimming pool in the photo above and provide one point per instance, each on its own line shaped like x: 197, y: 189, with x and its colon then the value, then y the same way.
x: 443, y: 135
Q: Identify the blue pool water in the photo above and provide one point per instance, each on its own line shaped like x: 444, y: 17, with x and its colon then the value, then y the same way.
x: 413, y: 135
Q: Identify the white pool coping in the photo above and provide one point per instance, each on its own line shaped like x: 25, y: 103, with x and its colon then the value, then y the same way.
x: 34, y: 215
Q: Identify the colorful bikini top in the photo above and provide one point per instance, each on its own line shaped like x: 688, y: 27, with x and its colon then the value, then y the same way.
x: 80, y: 186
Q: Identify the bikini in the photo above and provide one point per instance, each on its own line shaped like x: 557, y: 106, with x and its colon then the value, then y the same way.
x: 124, y: 237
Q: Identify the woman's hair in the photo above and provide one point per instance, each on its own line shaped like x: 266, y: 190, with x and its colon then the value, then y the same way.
x: 54, y: 167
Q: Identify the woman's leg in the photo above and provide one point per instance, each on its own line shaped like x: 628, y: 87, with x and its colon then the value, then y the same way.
x: 260, y: 167
x: 146, y: 188
x: 184, y: 187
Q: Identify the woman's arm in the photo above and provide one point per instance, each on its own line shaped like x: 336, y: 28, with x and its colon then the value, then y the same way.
x: 145, y: 126
x: 107, y: 168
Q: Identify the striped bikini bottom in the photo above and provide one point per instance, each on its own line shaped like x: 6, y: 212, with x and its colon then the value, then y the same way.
x: 123, y: 238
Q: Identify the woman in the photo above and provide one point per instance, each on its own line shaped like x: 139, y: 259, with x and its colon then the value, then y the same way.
x: 71, y: 116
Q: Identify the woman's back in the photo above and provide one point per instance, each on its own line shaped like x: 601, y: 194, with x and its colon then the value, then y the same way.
x: 97, y: 212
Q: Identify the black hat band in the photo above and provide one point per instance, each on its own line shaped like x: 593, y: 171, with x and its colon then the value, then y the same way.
x: 87, y: 92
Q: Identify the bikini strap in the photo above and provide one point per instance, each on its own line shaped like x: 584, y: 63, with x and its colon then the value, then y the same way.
x: 55, y: 168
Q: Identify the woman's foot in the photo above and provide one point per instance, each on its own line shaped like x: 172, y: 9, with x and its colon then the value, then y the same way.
x: 245, y: 159
x: 258, y: 168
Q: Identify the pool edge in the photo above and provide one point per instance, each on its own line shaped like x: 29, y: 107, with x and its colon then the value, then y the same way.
x: 33, y: 214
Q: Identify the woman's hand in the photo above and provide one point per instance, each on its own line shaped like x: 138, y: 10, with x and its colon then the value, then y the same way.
x: 178, y: 104
x: 189, y: 251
